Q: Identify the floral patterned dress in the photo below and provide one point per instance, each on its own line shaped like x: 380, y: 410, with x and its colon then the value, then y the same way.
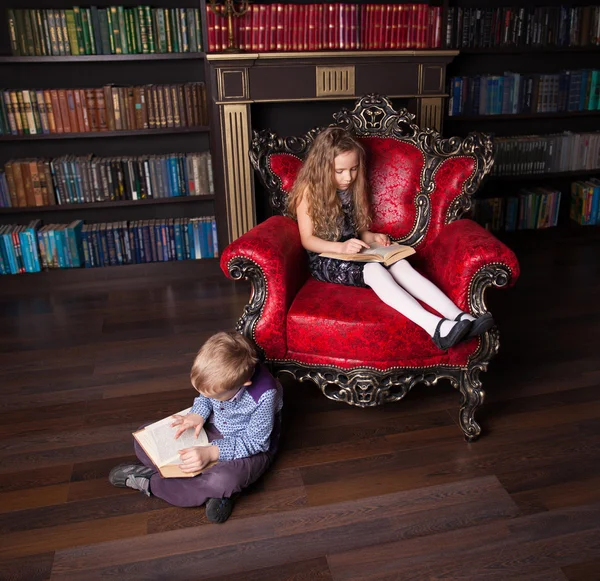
x: 339, y: 271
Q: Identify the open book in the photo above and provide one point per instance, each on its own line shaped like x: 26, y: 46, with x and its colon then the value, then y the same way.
x: 159, y: 443
x: 375, y: 253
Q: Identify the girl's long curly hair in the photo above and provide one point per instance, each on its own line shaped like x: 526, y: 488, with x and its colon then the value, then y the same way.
x: 316, y: 182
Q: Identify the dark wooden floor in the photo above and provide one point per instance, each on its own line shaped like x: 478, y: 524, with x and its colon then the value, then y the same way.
x: 387, y: 493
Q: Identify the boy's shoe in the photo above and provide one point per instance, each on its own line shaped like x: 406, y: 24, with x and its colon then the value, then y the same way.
x: 129, y: 475
x: 218, y: 510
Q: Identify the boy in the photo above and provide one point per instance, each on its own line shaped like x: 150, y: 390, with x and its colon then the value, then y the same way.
x: 239, y: 407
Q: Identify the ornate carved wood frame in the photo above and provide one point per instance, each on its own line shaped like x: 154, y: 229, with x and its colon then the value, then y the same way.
x: 373, y: 115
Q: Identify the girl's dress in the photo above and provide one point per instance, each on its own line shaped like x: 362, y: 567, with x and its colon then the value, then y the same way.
x: 333, y: 270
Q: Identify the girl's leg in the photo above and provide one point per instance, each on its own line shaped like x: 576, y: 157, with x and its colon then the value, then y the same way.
x: 387, y: 289
x: 424, y: 290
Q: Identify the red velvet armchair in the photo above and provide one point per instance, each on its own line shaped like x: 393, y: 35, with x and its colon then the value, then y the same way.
x: 355, y: 348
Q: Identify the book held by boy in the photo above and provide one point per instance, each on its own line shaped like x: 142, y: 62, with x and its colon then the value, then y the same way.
x: 387, y: 255
x: 159, y: 443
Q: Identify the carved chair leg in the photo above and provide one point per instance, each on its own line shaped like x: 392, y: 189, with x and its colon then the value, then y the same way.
x: 471, y: 398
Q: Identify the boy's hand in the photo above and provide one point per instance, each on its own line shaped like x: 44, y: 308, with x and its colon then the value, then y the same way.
x: 197, y: 458
x: 186, y: 422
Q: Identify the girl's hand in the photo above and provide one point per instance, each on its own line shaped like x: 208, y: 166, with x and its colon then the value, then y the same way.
x: 197, y: 458
x: 186, y: 422
x: 353, y: 246
x: 382, y: 239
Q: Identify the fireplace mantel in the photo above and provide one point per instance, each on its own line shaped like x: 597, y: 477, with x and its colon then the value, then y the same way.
x: 238, y: 80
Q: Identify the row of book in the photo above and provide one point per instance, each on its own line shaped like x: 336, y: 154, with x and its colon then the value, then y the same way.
x: 513, y: 93
x: 328, y: 26
x: 585, y: 202
x: 33, y: 247
x: 108, y: 108
x: 553, y: 153
x: 71, y: 179
x: 531, y: 208
x: 110, y: 30
x: 540, y: 26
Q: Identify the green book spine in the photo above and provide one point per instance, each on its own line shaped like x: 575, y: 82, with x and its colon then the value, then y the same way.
x: 36, y: 111
x: 131, y: 27
x: 137, y: 30
x: 185, y: 44
x: 85, y: 31
x: 189, y: 17
x: 156, y: 30
x: 59, y: 34
x: 174, y: 29
x: 23, y: 114
x: 53, y: 34
x: 46, y: 30
x: 35, y: 42
x: 104, y: 31
x: 90, y: 27
x: 198, y: 29
x: 122, y: 29
x: 12, y: 31
x: 143, y: 30
x: 63, y: 21
x: 95, y: 30
x: 21, y: 37
x: 177, y: 29
x: 72, y: 31
x: 168, y: 35
x: 150, y: 30
x: 38, y: 33
x: 30, y: 43
x: 43, y: 28
x: 114, y: 31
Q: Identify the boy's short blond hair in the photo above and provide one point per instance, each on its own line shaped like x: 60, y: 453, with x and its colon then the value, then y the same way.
x: 226, y: 361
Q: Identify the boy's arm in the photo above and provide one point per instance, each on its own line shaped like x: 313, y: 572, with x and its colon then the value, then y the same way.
x: 202, y: 406
x: 257, y: 436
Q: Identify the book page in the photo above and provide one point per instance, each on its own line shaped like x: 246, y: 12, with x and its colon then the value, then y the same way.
x: 380, y: 250
x: 159, y: 439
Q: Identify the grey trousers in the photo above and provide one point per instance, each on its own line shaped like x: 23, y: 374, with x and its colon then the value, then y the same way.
x: 221, y: 480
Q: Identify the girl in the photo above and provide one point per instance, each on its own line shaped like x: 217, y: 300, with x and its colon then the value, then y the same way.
x: 329, y: 200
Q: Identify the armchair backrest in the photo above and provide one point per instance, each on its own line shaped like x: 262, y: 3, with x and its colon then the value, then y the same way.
x: 418, y: 180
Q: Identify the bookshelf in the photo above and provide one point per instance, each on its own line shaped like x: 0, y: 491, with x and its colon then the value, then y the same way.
x: 542, y: 39
x: 169, y: 68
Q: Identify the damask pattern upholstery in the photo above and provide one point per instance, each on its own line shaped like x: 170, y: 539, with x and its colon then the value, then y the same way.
x: 357, y: 349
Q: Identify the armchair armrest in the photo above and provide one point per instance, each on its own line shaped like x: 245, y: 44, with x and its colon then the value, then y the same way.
x: 271, y: 256
x: 464, y: 260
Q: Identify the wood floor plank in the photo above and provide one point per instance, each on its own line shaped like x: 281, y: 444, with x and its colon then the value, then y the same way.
x: 303, y: 534
x: 313, y: 570
x: 526, y: 545
x: 30, y: 568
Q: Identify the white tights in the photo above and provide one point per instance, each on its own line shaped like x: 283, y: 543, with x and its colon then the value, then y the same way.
x: 400, y: 286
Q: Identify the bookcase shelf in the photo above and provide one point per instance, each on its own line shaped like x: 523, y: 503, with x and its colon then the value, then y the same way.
x: 528, y: 50
x: 543, y: 176
x: 112, y: 204
x: 97, y: 134
x: 102, y: 58
x: 504, y: 117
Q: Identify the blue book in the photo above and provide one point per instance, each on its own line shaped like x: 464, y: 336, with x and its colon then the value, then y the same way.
x: 215, y: 239
x: 10, y: 249
x: 173, y: 179
x: 25, y: 251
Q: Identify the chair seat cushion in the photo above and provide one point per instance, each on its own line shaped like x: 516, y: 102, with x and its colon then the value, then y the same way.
x: 343, y: 326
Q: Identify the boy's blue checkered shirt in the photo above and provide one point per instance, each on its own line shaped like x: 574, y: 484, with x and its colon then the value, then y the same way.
x: 247, y: 419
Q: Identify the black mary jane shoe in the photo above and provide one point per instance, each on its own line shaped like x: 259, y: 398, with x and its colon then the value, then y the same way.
x: 458, y: 332
x: 479, y: 326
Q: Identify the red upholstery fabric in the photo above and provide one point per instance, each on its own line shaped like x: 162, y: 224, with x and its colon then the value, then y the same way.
x: 275, y: 246
x: 331, y: 324
x: 454, y: 257
x: 286, y: 168
x: 394, y: 173
x: 449, y: 180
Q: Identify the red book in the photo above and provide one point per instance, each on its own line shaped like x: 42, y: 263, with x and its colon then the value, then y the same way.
x: 279, y: 20
x: 255, y: 24
x: 64, y: 111
x: 287, y: 27
x: 294, y: 36
x: 301, y: 27
x: 262, y: 27
x: 56, y: 111
x: 272, y: 20
x: 78, y: 109
x: 210, y: 24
